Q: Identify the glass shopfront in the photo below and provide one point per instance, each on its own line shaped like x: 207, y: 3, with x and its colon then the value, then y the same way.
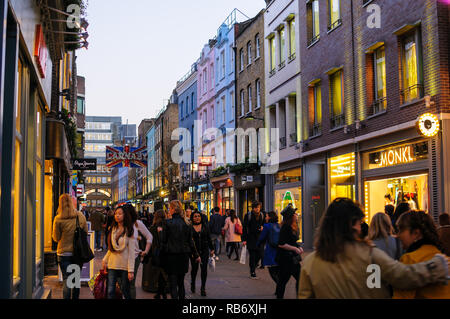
x: 404, y: 185
x: 411, y: 189
x: 225, y: 199
x: 291, y: 194
x: 342, y: 177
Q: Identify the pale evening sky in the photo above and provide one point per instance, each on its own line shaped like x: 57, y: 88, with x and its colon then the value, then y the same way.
x: 139, y: 49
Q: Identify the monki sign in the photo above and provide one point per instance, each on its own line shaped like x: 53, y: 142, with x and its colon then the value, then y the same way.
x: 392, y: 157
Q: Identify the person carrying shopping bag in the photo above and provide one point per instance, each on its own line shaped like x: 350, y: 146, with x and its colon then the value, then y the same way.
x: 233, y: 232
x: 64, y: 227
x: 119, y: 260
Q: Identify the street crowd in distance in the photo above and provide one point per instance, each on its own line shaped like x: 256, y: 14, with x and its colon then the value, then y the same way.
x: 409, y: 249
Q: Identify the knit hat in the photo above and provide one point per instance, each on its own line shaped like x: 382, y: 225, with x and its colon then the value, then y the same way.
x: 288, y: 212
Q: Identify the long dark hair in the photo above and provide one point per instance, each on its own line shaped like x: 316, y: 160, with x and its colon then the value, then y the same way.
x: 127, y: 223
x: 420, y: 220
x: 232, y: 215
x: 273, y: 217
x: 291, y: 221
x: 336, y: 228
x: 159, y: 217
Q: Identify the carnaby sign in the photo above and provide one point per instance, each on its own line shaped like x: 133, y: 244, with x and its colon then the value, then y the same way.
x: 84, y: 164
x: 126, y: 157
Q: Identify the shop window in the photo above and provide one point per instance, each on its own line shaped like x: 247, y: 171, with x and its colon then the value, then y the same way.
x: 289, y: 176
x: 411, y: 66
x: 292, y: 196
x: 342, y: 177
x: 48, y: 205
x: 17, y: 208
x: 412, y: 189
x: 336, y: 100
x: 38, y: 210
x: 313, y: 21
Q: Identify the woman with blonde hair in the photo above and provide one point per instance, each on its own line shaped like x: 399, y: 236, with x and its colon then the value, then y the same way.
x: 63, y: 232
x: 380, y: 233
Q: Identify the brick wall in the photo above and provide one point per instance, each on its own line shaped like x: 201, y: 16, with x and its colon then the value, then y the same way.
x: 250, y: 73
x: 347, y: 45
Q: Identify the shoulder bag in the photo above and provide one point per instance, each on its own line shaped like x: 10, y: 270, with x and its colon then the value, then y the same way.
x: 82, y: 253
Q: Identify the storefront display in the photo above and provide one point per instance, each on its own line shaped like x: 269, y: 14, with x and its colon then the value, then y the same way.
x: 289, y: 194
x: 396, y: 174
x: 412, y: 189
x: 342, y: 177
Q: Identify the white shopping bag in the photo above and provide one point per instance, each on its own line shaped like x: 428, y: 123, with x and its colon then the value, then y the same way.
x: 243, y: 255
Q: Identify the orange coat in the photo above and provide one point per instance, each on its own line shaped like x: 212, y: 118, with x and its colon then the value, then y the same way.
x: 424, y: 253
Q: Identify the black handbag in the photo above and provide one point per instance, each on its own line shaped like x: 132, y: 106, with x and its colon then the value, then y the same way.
x: 82, y: 253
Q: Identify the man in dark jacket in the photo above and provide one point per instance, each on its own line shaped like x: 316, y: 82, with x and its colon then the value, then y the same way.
x: 97, y: 220
x: 216, y: 224
x: 252, y: 228
x: 177, y: 248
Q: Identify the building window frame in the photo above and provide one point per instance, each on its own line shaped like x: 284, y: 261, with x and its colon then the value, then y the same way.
x: 411, y: 92
x: 249, y: 53
x: 258, y: 47
x: 334, y: 22
x: 258, y: 94
x: 337, y: 119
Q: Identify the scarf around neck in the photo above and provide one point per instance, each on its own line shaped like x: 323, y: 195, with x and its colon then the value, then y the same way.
x: 118, y: 246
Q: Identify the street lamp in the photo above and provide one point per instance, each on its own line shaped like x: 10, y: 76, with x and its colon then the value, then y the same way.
x: 251, y: 117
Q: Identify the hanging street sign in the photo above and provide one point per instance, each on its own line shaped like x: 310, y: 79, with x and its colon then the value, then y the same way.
x: 428, y: 125
x: 126, y: 157
x: 84, y: 164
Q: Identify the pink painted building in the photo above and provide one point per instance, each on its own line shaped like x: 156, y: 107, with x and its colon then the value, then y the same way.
x: 206, y: 97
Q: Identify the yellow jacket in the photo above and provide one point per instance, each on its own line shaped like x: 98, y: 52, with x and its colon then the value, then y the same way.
x: 424, y: 253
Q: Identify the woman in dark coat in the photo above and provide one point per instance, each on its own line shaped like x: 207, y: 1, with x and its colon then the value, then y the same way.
x: 288, y: 252
x: 158, y: 222
x: 203, y: 247
x: 177, y: 248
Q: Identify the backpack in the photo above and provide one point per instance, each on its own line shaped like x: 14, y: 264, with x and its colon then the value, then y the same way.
x: 274, y: 235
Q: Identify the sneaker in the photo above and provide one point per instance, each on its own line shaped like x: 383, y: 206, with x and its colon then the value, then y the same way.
x: 253, y: 276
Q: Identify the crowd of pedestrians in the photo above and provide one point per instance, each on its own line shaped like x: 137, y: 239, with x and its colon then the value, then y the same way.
x: 406, y: 244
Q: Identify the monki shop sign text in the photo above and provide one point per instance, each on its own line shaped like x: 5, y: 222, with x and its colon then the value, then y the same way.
x: 397, y: 156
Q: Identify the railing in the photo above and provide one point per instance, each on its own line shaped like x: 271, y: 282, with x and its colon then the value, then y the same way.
x: 316, y: 129
x: 338, y: 121
x: 282, y: 143
x: 293, y: 137
x: 313, y: 39
x: 272, y: 72
x: 335, y: 24
x: 291, y: 57
x: 281, y: 65
x: 378, y: 106
x: 412, y: 93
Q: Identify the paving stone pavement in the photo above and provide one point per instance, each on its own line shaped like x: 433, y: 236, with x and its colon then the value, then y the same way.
x: 231, y: 280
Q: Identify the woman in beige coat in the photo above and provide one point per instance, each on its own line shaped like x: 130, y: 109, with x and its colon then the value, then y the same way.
x: 231, y: 238
x: 63, y: 232
x: 344, y: 267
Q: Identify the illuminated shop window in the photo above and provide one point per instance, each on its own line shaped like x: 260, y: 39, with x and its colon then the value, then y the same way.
x: 342, y: 176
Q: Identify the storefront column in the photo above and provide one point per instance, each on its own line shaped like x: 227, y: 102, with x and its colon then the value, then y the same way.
x: 9, y: 50
x: 444, y: 185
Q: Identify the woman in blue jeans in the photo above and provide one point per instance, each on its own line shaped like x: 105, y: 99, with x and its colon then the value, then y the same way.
x: 63, y: 232
x: 119, y: 260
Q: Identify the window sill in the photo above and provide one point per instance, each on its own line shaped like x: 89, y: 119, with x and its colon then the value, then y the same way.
x: 334, y: 28
x: 272, y: 73
x: 315, y: 136
x: 337, y: 128
x: 376, y: 115
x: 313, y: 43
x: 240, y: 71
x: 415, y: 101
x: 257, y: 58
x: 248, y: 65
x: 282, y: 65
x: 367, y: 3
